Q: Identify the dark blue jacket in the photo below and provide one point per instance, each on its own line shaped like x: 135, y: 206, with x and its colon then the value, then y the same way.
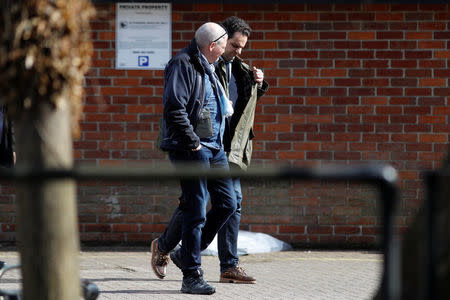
x: 184, y: 93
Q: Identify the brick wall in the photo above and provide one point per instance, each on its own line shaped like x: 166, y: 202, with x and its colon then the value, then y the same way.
x: 349, y: 84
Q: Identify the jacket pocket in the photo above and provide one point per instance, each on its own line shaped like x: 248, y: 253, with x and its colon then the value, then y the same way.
x: 204, y: 126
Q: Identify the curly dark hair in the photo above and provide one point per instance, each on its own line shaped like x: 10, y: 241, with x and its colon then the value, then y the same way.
x: 234, y: 24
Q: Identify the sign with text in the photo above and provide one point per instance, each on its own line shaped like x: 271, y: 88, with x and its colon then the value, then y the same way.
x: 143, y: 35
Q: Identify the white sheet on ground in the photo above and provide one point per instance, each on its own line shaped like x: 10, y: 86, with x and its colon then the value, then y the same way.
x: 252, y: 242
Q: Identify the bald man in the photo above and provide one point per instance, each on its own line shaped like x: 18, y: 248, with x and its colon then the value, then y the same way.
x: 195, y: 107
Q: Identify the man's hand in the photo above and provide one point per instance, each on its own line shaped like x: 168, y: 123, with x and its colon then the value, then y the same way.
x: 258, y: 75
x: 198, y: 148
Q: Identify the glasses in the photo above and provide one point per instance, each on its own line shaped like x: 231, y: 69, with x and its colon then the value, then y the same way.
x: 219, y: 37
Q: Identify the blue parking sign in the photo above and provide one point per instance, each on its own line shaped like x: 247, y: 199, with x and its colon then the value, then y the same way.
x: 143, y: 61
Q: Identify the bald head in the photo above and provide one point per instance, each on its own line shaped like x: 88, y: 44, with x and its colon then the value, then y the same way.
x: 208, y: 33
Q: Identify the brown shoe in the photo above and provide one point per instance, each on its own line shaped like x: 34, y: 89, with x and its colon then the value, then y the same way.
x: 236, y: 275
x: 159, y: 260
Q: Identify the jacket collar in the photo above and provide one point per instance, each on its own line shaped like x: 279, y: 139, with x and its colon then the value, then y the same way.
x: 195, y: 54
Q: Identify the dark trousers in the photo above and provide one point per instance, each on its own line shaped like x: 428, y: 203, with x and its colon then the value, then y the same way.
x: 198, y: 228
x: 227, y: 236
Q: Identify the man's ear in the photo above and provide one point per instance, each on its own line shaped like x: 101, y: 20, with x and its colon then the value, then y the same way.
x: 211, y: 46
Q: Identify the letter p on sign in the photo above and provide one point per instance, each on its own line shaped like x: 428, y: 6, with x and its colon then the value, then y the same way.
x: 143, y: 61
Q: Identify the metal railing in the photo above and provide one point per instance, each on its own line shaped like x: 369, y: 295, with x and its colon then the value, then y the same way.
x: 383, y: 177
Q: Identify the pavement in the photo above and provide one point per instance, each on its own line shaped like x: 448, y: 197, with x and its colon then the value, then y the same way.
x: 126, y: 274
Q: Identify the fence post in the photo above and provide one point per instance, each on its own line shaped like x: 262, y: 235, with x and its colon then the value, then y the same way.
x: 46, y: 207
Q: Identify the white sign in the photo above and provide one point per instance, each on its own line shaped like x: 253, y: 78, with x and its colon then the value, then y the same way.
x: 143, y: 35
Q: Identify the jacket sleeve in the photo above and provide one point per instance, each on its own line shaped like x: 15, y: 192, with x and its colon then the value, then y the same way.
x: 179, y: 87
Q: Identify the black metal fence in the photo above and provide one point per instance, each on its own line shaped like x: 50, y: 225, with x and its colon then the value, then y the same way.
x: 383, y: 177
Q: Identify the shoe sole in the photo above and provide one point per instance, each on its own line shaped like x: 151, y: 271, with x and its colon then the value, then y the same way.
x: 152, y: 248
x: 230, y: 280
x: 193, y: 293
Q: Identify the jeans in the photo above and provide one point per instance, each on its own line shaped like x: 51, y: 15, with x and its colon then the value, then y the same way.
x: 198, y: 228
x: 226, y: 237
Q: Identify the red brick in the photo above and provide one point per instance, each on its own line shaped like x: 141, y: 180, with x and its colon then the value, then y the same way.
x: 333, y: 35
x: 418, y: 54
x: 375, y: 137
x: 375, y: 45
x: 389, y: 35
x: 332, y: 54
x: 97, y: 228
x: 334, y: 146
x: 318, y: 82
x: 390, y: 73
x: 277, y: 54
x: 333, y: 72
x: 403, y: 45
x: 316, y: 45
x: 404, y: 82
x: 125, y: 136
x: 294, y: 155
x: 362, y: 147
x: 152, y: 227
x: 347, y: 230
x: 388, y: 110
x: 442, y: 91
x: 419, y: 35
x: 375, y: 63
x: 318, y: 137
x: 433, y: 138
x: 318, y: 119
x: 376, y: 82
x: 347, y: 137
x: 418, y: 110
x: 332, y: 16
x: 294, y: 82
x: 361, y: 16
x: 347, y: 82
x: 387, y: 128
x: 276, y: 16
x: 305, y: 17
x: 389, y: 54
x: 125, y: 228
x: 322, y: 63
x: 90, y: 117
x: 431, y: 156
x: 306, y: 146
x: 431, y: 26
x: 347, y: 155
x: 331, y: 110
x: 316, y: 229
x: 318, y: 100
x: 360, y: 128
x: 264, y: 228
x: 291, y: 7
x: 389, y: 17
x: 418, y: 91
x: 431, y: 45
x: 407, y: 138
x: 111, y: 145
x: 417, y: 73
x: 271, y: 146
x: 292, y: 229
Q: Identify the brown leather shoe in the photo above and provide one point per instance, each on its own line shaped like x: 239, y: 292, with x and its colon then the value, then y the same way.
x: 236, y: 275
x: 159, y: 260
